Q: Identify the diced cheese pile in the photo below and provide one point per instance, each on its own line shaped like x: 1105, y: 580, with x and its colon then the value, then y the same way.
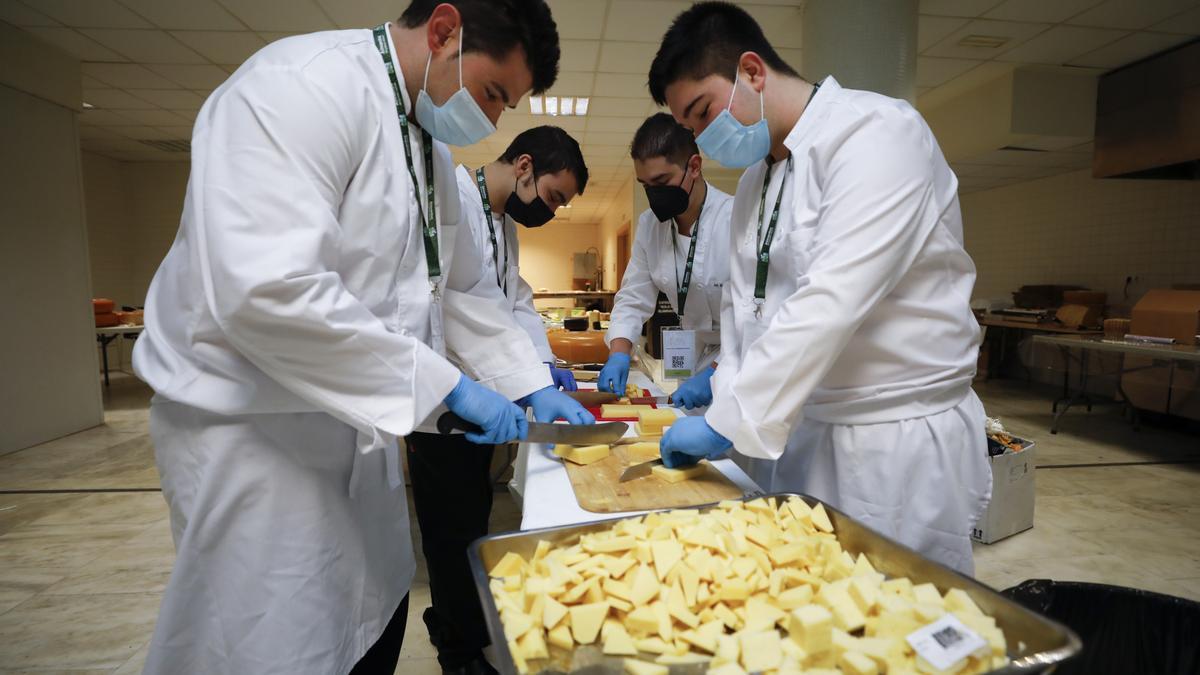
x: 582, y: 454
x: 632, y: 390
x: 745, y: 587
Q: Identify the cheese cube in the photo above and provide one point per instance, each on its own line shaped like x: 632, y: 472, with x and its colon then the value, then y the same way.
x: 811, y: 627
x: 679, y: 475
x: 761, y: 651
x: 820, y: 519
x: 511, y: 564
x: 641, y: 621
x: 795, y: 597
x: 586, y: 621
x: 928, y: 594
x: 560, y: 637
x: 582, y: 455
x: 652, y: 421
x: 517, y: 657
x: 760, y: 615
x: 621, y: 411
x: 864, y: 593
x: 846, y: 614
x: 644, y: 587
x: 635, y: 667
x: 666, y: 554
x: 854, y: 663
x: 901, y: 586
x: 618, y: 643
x: 643, y: 451
x: 957, y: 600
x: 653, y: 645
x: 533, y: 645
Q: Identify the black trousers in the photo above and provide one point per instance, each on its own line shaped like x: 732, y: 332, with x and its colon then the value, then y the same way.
x: 452, y: 495
x: 382, y: 657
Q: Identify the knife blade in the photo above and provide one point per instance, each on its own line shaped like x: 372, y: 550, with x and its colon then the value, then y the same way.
x: 591, y: 399
x: 648, y: 400
x: 639, y: 470
x: 544, y: 432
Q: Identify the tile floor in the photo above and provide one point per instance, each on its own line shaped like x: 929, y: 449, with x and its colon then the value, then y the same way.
x: 85, y: 547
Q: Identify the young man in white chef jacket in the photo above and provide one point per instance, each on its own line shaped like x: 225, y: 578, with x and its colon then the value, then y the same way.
x: 542, y: 170
x: 300, y: 324
x: 848, y: 346
x: 681, y: 249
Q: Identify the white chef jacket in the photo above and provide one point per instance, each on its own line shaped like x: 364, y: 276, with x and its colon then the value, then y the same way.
x: 293, y: 321
x: 866, y: 321
x: 652, y: 269
x: 519, y: 295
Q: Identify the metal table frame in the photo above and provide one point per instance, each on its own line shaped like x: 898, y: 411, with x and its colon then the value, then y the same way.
x: 1161, y: 355
x: 105, y: 337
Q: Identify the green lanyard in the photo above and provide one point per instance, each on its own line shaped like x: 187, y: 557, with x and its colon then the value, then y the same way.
x: 764, y: 246
x: 501, y: 277
x: 682, y: 287
x: 429, y: 215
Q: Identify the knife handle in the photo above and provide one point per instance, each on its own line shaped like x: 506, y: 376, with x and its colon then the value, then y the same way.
x: 449, y: 422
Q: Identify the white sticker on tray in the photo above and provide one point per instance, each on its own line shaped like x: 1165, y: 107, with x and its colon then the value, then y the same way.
x: 945, y: 642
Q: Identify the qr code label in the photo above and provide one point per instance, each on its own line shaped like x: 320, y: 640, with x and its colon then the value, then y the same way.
x: 946, y: 642
x: 678, y: 362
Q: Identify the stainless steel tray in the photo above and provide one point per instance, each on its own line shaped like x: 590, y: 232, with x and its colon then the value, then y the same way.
x: 1035, y: 643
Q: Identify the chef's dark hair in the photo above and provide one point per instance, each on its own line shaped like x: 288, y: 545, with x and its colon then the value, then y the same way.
x: 708, y: 39
x: 497, y: 26
x: 552, y: 150
x: 661, y: 136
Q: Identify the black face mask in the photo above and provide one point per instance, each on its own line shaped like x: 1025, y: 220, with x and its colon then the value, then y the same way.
x: 668, y: 201
x: 532, y: 214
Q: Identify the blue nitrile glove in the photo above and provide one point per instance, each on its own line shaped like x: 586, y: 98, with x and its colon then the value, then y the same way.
x: 550, y: 404
x: 563, y: 379
x: 696, y: 391
x: 614, y: 374
x: 689, y: 440
x: 502, y: 421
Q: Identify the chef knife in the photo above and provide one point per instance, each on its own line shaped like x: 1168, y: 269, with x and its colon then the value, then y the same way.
x: 543, y: 432
x: 639, y: 470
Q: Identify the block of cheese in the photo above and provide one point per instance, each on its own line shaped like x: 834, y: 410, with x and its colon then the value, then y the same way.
x: 761, y: 651
x: 811, y: 627
x: 582, y: 454
x: 652, y: 421
x: 586, y: 621
x: 677, y: 475
x: 632, y: 389
x: 622, y: 410
x: 642, y: 452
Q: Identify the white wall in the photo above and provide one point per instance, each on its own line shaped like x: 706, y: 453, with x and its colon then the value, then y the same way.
x: 51, y: 387
x: 1074, y: 229
x: 612, y: 223
x: 547, y: 252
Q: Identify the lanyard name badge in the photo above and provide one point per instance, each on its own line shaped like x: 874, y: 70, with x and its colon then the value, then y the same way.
x: 683, y: 286
x: 428, y: 214
x: 765, y: 238
x: 501, y: 272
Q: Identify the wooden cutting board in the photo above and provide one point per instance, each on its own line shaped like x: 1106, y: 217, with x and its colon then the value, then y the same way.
x: 597, y: 488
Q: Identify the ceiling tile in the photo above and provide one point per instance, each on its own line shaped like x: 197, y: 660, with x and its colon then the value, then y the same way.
x: 570, y: 124
x: 623, y: 124
x: 127, y: 75
x: 1016, y: 33
x: 1129, y: 49
x: 205, y: 76
x: 781, y: 25
x: 967, y: 8
x: 578, y: 54
x: 638, y: 21
x: 361, y: 13
x: 142, y: 132
x: 75, y: 43
x: 1052, y: 11
x: 598, y: 138
x: 103, y: 118
x: 171, y: 99
x: 270, y: 37
x: 185, y: 14
x: 153, y: 117
x: 618, y: 107
x: 579, y: 19
x: 629, y: 85
x: 144, y: 46
x: 21, y: 15
x: 283, y: 15
x: 1061, y: 44
x: 177, y: 132
x: 92, y: 83
x: 1187, y: 23
x: 933, y: 72
x: 89, y: 13
x: 222, y: 47
x: 1132, y: 14
x: 113, y: 99
x: 626, y: 57
x: 88, y: 132
x: 572, y: 83
x: 933, y: 29
x: 188, y: 115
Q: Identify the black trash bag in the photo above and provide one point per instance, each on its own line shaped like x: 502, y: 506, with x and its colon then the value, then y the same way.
x: 1125, y: 631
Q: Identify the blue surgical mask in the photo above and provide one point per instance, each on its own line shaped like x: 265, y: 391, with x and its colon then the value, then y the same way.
x: 458, y: 121
x: 732, y: 143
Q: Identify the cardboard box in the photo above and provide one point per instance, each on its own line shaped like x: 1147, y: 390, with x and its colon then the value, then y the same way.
x: 1159, y: 388
x: 1011, y: 508
x: 1168, y: 313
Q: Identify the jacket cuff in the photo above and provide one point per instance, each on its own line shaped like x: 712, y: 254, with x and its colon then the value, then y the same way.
x: 727, y: 418
x: 622, y: 329
x: 433, y: 379
x: 521, y: 382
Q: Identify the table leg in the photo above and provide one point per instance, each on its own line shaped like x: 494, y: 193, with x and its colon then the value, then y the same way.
x: 1078, y: 397
x: 1066, y: 392
x: 104, y: 341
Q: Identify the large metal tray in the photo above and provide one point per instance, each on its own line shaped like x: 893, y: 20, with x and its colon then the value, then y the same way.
x: 1035, y: 643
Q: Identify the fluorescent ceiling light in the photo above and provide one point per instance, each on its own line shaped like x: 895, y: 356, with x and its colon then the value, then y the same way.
x: 568, y: 105
x: 88, y: 106
x: 581, y: 105
x: 535, y: 105
x: 552, y: 105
